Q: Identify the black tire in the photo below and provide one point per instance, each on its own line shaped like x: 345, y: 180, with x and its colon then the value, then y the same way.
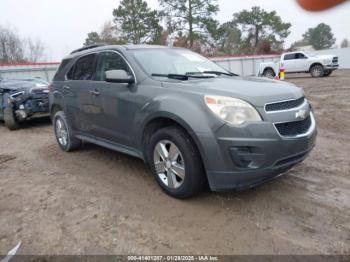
x: 195, y: 179
x: 72, y: 143
x: 327, y: 73
x: 269, y: 73
x: 10, y: 119
x: 317, y: 71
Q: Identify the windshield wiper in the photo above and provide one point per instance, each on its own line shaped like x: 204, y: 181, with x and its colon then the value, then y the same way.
x: 219, y: 73
x: 180, y: 76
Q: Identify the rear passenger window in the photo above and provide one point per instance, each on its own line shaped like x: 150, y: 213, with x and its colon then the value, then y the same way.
x: 60, y: 72
x: 84, y: 68
x: 110, y: 61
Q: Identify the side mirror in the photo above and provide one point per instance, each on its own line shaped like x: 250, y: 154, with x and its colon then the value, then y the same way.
x: 119, y: 76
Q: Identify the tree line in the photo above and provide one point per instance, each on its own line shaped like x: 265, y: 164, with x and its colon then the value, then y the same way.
x: 14, y: 49
x: 182, y: 23
x: 192, y: 24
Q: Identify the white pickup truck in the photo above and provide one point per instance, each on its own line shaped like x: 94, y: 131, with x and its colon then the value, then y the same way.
x: 301, y: 62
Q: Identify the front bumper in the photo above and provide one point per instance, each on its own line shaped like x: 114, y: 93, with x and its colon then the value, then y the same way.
x: 332, y: 66
x: 255, y: 154
x: 30, y: 106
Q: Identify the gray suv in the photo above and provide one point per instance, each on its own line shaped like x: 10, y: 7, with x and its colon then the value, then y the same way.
x: 193, y: 122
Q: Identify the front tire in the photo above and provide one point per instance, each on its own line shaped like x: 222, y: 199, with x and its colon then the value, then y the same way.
x: 317, y: 71
x: 10, y: 119
x: 64, y: 135
x: 175, y: 162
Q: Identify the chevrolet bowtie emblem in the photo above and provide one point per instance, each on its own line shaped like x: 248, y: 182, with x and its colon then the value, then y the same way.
x: 301, y: 114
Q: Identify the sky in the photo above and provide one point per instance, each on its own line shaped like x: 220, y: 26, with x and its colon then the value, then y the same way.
x: 63, y: 25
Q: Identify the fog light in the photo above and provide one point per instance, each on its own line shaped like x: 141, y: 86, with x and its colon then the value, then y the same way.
x: 247, y: 157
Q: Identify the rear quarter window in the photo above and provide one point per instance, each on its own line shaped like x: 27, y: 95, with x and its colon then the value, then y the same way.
x: 61, y: 69
x: 84, y: 68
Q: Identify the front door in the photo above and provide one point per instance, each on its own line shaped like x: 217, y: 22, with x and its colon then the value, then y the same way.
x: 116, y: 101
x: 294, y: 63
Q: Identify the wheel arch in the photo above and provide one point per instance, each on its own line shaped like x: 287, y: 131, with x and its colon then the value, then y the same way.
x: 54, y: 109
x: 314, y: 64
x: 167, y: 119
x: 269, y: 68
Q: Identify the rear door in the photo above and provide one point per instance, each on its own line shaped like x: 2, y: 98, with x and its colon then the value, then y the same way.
x: 81, y: 110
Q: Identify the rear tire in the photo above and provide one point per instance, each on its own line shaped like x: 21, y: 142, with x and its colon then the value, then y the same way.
x: 269, y: 73
x: 64, y: 135
x: 175, y: 163
x: 317, y: 71
x: 10, y: 119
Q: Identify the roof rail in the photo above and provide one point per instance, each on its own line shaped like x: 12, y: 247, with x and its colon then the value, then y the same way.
x: 87, y: 47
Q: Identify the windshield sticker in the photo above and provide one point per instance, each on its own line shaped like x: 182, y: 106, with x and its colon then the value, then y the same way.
x: 203, y: 69
x: 192, y: 57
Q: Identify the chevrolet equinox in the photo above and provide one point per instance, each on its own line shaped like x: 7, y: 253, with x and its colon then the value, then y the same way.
x: 193, y: 122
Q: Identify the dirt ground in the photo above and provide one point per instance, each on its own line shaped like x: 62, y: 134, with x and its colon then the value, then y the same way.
x: 96, y: 201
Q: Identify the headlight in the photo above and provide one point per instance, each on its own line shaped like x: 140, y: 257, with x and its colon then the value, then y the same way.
x: 327, y: 61
x: 232, y: 110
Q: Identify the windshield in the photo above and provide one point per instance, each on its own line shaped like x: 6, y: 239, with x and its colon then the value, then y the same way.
x: 174, y: 61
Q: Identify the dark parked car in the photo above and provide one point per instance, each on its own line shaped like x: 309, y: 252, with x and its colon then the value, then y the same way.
x: 23, y: 99
x: 190, y: 120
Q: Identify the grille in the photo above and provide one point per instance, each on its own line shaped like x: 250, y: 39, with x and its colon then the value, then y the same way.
x: 294, y: 128
x: 335, y: 59
x: 284, y: 105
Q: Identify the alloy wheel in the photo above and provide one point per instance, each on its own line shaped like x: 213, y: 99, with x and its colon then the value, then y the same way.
x: 169, y: 164
x: 61, y: 132
x: 317, y: 71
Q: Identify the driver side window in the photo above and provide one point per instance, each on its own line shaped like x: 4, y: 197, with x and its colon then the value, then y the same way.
x: 300, y: 56
x: 110, y: 61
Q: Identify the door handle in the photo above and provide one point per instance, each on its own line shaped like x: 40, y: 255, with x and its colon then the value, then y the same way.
x: 94, y: 93
x: 66, y: 87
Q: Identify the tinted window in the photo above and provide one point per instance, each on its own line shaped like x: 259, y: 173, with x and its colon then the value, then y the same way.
x: 289, y: 57
x: 84, y: 68
x: 110, y: 61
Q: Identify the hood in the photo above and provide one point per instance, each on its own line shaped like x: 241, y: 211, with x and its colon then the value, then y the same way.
x: 324, y: 56
x: 22, y: 85
x: 257, y: 91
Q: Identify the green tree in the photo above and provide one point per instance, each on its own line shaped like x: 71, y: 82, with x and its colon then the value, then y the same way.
x: 259, y: 27
x: 192, y: 19
x: 228, y: 39
x: 138, y: 23
x: 92, y: 39
x: 320, y: 37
